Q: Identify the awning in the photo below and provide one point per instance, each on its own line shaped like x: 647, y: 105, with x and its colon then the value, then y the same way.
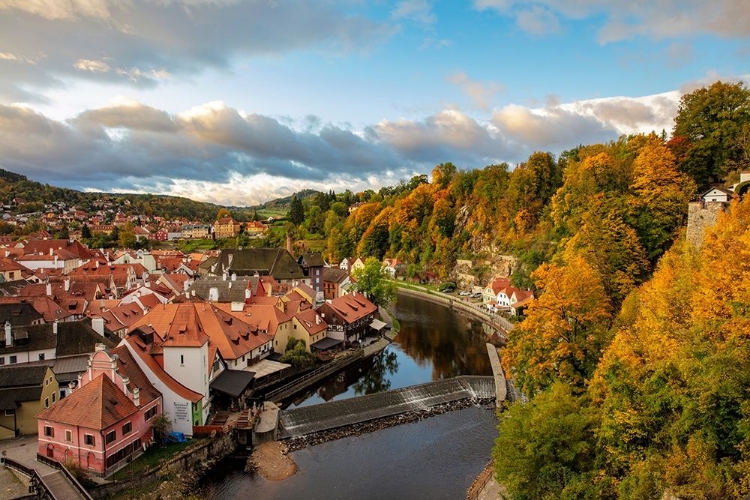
x: 377, y: 325
x: 326, y: 343
x: 233, y: 382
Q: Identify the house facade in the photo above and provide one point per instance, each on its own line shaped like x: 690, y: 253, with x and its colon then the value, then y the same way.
x: 226, y: 227
x: 348, y: 317
x: 106, y: 420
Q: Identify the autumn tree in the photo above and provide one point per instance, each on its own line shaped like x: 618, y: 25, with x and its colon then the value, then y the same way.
x: 660, y: 195
x: 565, y: 330
x: 222, y: 213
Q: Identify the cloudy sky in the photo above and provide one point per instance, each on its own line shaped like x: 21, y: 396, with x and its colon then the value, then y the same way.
x: 242, y: 101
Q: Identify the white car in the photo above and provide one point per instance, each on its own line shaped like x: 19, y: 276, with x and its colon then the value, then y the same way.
x: 464, y: 294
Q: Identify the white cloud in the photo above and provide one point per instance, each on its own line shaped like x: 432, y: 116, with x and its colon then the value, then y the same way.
x: 416, y: 10
x: 624, y: 19
x: 480, y: 93
x: 92, y: 66
x: 538, y: 21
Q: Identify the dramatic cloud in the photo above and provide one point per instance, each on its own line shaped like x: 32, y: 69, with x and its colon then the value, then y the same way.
x: 216, y: 153
x: 625, y: 19
x: 480, y: 93
x: 142, y: 42
x: 446, y: 136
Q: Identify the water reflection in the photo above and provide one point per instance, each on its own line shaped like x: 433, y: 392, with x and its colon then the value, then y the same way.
x: 434, y: 343
x: 374, y: 380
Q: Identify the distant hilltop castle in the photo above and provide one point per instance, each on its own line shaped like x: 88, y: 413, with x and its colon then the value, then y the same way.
x: 704, y: 212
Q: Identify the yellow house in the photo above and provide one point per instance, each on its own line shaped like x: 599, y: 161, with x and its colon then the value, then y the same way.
x: 24, y: 392
x: 226, y: 227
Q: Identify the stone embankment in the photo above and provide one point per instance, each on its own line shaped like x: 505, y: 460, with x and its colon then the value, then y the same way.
x: 502, y: 325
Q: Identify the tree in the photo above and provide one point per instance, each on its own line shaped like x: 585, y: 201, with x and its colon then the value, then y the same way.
x: 712, y: 119
x: 373, y: 281
x: 660, y: 195
x: 296, y: 211
x: 565, y: 330
x: 546, y: 448
x: 222, y: 213
x: 296, y: 354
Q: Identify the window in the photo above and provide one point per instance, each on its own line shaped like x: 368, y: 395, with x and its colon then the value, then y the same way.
x: 68, y: 436
x: 182, y: 360
x: 49, y: 431
x: 2, y: 360
x: 88, y: 439
x: 46, y: 402
x: 13, y: 359
x: 127, y: 428
x: 110, y: 437
x: 41, y: 357
x: 10, y: 413
x: 54, y: 397
x: 150, y: 413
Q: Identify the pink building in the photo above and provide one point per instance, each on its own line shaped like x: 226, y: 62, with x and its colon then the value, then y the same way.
x: 106, y: 419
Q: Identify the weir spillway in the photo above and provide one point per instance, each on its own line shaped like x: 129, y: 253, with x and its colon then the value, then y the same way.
x: 307, y: 420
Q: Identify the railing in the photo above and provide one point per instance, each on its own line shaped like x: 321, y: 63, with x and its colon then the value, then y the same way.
x: 36, y: 483
x: 318, y: 372
x: 70, y: 477
x: 480, y: 482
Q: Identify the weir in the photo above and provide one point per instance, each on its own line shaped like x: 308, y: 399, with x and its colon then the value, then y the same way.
x: 300, y: 422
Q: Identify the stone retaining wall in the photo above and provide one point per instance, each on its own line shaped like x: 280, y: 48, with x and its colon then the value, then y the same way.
x: 198, y: 459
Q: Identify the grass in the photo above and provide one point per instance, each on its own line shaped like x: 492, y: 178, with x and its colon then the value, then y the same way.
x: 152, y: 457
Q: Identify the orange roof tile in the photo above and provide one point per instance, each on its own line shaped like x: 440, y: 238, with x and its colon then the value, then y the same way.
x: 97, y: 405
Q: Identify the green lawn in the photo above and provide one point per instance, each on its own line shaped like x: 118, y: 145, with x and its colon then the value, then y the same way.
x: 152, y: 457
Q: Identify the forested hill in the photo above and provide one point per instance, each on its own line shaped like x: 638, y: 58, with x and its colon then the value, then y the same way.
x: 35, y: 195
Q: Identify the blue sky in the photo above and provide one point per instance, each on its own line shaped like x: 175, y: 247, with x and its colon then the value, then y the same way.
x: 241, y: 101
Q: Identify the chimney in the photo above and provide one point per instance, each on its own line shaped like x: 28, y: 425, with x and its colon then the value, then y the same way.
x: 289, y: 243
x: 72, y: 384
x: 8, y: 335
x: 136, y: 396
x: 51, y: 252
x: 229, y: 285
x: 248, y: 294
x: 54, y: 327
x: 317, y: 319
x: 125, y: 382
x: 97, y: 323
x: 192, y: 292
x: 224, y: 276
x: 234, y: 276
x: 49, y: 289
x: 97, y: 264
x: 67, y: 284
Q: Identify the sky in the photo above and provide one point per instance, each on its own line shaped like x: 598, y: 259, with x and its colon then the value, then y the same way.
x: 238, y: 102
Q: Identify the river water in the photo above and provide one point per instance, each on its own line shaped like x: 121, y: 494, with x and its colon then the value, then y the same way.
x: 435, y: 458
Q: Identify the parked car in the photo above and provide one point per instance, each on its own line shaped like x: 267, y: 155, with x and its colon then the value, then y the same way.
x: 448, y: 289
x: 477, y: 295
x: 464, y: 294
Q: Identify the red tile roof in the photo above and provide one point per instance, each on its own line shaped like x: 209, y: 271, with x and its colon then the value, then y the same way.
x: 97, y: 405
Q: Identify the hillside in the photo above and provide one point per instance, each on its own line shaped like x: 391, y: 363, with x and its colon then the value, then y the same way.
x: 34, y: 195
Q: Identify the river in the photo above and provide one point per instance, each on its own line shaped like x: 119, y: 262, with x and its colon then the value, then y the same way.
x: 434, y: 458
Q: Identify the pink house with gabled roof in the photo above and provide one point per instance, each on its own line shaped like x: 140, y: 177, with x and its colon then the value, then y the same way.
x: 106, y: 419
